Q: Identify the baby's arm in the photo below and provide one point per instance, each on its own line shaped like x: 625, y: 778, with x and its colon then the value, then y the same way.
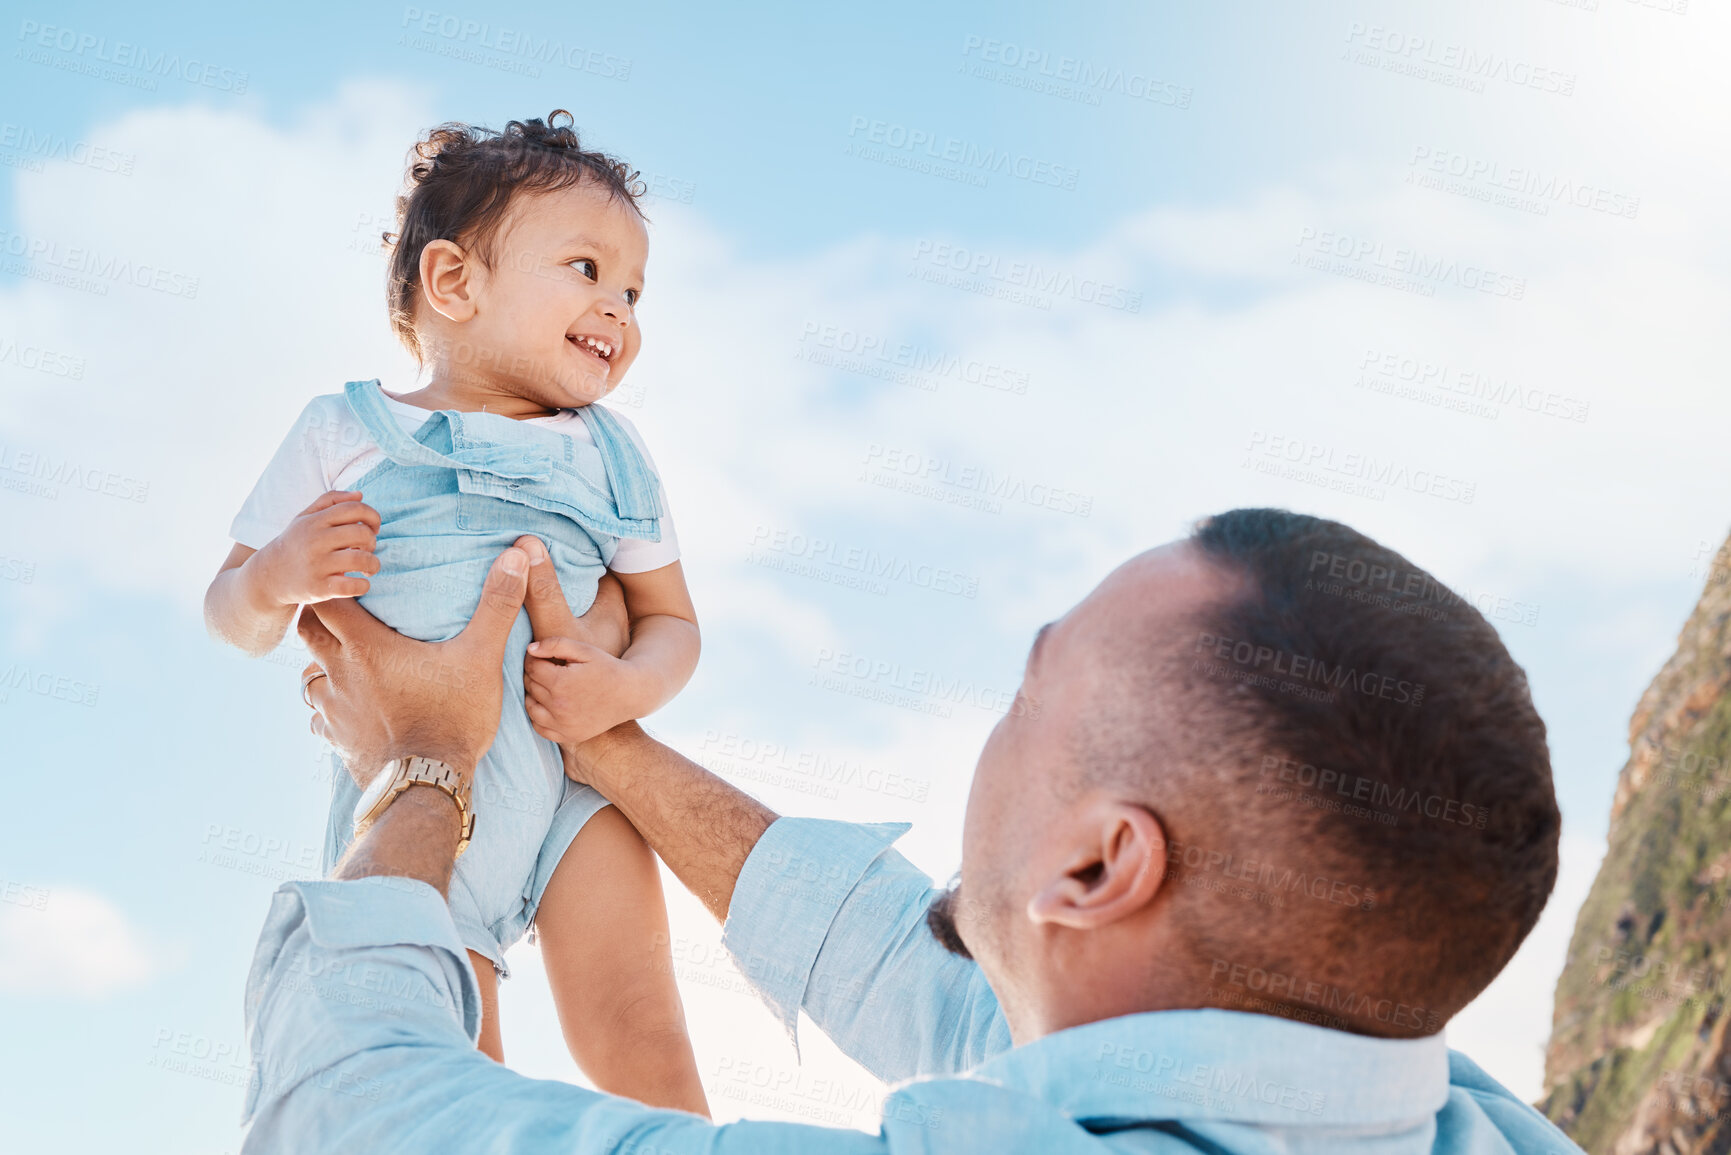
x: 576, y: 691
x: 255, y: 593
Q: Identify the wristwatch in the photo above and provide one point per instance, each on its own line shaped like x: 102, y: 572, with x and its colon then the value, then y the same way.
x: 398, y: 776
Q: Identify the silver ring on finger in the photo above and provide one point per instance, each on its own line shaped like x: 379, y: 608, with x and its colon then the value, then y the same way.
x: 306, y: 684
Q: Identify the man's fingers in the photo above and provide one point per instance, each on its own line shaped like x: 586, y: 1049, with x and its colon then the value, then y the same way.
x: 549, y: 612
x: 501, y: 598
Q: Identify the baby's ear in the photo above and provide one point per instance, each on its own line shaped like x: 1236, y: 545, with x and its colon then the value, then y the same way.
x: 446, y: 280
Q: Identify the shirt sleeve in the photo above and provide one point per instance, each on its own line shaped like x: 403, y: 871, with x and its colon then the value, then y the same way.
x: 362, y: 1013
x: 634, y: 555
x: 293, y: 480
x: 826, y: 917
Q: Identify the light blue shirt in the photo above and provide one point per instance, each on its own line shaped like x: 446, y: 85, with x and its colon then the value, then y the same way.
x: 362, y: 1014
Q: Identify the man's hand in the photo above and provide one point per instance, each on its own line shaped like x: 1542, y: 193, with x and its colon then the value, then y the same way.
x: 308, y: 561
x: 379, y: 696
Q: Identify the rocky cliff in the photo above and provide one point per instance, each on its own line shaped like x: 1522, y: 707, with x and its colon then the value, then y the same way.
x: 1639, y: 1058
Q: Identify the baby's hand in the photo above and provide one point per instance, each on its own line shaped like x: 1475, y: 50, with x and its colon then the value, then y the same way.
x: 574, y: 691
x: 306, y: 563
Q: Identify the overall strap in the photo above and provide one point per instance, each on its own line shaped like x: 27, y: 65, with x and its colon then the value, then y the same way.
x: 367, y: 400
x: 636, y: 490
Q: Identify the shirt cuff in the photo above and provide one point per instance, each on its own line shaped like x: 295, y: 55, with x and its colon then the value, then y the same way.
x: 302, y: 953
x: 787, y: 895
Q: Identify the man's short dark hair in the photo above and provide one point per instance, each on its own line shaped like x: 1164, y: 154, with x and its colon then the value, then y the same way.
x: 1368, y: 729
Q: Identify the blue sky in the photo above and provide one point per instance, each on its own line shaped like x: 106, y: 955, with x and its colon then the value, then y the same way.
x: 1323, y: 234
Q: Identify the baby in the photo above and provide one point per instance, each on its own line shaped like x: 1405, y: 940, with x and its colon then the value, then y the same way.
x: 514, y: 278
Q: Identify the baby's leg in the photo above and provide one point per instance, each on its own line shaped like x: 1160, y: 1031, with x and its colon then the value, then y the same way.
x: 491, y: 1043
x: 603, y: 931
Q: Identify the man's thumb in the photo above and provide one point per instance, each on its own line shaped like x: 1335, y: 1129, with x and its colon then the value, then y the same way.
x: 549, y: 613
x: 501, y: 598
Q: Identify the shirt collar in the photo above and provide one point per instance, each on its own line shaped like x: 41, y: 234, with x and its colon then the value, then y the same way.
x: 1228, y: 1066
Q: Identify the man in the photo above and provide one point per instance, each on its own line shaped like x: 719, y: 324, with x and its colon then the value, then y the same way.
x: 1270, y: 807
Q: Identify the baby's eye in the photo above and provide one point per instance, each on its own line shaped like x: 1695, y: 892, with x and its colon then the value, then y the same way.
x: 631, y: 296
x: 585, y: 266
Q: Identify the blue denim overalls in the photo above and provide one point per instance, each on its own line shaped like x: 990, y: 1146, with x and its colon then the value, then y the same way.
x: 452, y: 498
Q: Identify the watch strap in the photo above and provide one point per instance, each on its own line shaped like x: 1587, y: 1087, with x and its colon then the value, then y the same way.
x: 416, y: 770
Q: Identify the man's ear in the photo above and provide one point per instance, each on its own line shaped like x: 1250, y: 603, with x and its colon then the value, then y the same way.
x: 447, y: 280
x: 1113, y: 872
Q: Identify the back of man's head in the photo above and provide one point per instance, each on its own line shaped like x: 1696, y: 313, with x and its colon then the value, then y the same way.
x: 1354, y: 784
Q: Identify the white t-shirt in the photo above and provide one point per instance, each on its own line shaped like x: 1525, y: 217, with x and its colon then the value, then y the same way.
x: 329, y: 448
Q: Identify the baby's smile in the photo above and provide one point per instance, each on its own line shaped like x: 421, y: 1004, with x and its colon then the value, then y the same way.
x: 594, y: 349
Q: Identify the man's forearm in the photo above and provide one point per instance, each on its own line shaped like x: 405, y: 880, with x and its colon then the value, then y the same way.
x: 702, y: 827
x: 416, y: 837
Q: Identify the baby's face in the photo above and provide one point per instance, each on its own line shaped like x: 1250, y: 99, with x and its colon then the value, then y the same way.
x: 556, y: 316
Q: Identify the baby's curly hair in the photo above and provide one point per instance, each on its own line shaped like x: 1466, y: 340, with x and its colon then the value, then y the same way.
x: 460, y: 182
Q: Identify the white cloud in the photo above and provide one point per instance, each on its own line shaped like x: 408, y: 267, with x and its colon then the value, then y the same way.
x: 72, y: 942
